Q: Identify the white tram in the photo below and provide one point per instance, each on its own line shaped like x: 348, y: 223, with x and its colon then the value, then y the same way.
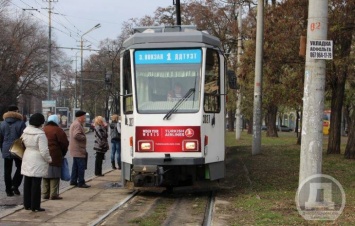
x: 172, y: 140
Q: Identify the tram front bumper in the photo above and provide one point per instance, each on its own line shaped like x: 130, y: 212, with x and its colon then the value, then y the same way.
x: 168, y: 161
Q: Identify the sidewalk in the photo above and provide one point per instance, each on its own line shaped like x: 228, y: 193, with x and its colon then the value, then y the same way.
x: 79, y: 206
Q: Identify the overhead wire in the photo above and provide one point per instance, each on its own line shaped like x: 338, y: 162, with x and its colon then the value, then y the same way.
x: 78, y: 31
x: 56, y: 19
x: 44, y: 16
x: 27, y: 11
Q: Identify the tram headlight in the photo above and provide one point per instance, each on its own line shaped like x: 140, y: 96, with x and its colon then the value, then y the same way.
x: 190, y: 145
x: 145, y: 145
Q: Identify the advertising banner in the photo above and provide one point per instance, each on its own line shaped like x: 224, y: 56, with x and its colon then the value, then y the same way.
x: 63, y: 114
x: 48, y: 107
x: 168, y: 138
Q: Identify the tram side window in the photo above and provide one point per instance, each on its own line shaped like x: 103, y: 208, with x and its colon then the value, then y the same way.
x: 127, y: 84
x: 212, y: 99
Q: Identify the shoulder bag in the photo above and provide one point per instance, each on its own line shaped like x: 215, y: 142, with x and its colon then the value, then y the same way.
x: 17, y: 148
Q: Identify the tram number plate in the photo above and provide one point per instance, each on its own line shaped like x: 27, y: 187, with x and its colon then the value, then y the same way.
x: 206, y: 119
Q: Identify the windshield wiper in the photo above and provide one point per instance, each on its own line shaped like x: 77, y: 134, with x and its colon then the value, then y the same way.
x: 177, y: 105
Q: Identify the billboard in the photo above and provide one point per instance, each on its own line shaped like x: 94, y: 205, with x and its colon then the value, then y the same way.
x: 48, y: 107
x: 167, y: 138
x: 63, y: 114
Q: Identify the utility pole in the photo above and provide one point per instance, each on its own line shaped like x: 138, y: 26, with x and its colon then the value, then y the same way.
x: 178, y: 13
x: 76, y: 80
x: 81, y: 62
x: 108, y: 84
x: 239, y: 95
x: 313, y: 97
x: 256, y: 146
x: 49, y: 96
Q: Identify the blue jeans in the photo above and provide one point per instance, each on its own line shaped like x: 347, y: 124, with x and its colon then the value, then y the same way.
x: 78, y: 171
x: 116, y: 148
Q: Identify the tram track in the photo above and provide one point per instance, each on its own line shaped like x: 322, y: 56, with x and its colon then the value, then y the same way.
x: 184, y: 207
x: 120, y: 204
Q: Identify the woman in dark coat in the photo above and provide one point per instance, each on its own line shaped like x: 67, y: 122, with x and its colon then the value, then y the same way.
x: 101, y: 143
x: 58, y: 147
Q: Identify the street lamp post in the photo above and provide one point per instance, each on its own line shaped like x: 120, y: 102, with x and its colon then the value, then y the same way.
x: 81, y: 63
x: 76, y: 80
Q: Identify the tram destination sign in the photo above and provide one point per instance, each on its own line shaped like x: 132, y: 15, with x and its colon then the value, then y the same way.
x: 175, y: 56
x: 321, y: 49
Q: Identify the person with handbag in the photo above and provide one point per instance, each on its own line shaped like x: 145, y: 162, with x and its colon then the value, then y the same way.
x: 101, y: 143
x: 115, y: 133
x: 58, y: 146
x: 11, y: 129
x: 35, y: 162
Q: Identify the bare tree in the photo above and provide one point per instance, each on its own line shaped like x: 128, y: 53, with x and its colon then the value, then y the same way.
x: 23, y: 60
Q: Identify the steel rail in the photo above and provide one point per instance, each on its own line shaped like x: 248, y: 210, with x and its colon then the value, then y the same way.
x: 103, y: 217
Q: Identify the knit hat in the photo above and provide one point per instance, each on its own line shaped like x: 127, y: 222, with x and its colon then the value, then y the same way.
x: 80, y: 113
x: 37, y: 120
x: 12, y: 108
x: 53, y: 118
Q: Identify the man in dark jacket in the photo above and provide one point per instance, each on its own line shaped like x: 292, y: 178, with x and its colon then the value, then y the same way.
x: 11, y: 129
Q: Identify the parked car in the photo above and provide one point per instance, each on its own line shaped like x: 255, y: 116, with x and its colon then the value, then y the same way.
x: 263, y: 127
x: 284, y: 128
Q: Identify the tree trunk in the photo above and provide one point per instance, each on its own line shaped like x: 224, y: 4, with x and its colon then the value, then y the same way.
x: 271, y: 116
x: 299, y: 127
x: 250, y: 126
x: 297, y: 122
x: 230, y: 121
x: 336, y: 109
x: 350, y: 146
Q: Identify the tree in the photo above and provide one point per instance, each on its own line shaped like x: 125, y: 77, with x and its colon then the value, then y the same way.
x: 350, y: 146
x: 283, y: 68
x: 22, y: 60
x: 341, y: 27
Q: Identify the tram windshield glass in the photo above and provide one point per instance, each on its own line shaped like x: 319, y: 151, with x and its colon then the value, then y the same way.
x: 165, y: 77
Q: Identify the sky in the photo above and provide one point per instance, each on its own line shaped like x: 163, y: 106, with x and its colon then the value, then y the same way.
x: 73, y: 18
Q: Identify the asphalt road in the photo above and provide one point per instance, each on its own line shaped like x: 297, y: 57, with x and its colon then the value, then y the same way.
x: 11, y: 202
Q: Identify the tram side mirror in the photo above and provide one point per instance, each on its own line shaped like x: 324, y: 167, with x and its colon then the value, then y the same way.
x: 232, y: 79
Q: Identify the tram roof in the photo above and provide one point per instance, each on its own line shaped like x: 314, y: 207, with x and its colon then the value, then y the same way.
x: 168, y: 35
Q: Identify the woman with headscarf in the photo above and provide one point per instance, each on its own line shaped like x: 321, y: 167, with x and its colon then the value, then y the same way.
x: 58, y: 146
x: 35, y: 162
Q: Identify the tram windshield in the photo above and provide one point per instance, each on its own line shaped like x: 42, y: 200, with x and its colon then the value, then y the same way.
x: 163, y: 77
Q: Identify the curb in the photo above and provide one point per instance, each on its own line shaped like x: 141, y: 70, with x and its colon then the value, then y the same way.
x: 20, y: 207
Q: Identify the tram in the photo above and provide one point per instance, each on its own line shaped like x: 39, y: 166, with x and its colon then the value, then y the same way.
x: 172, y: 92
